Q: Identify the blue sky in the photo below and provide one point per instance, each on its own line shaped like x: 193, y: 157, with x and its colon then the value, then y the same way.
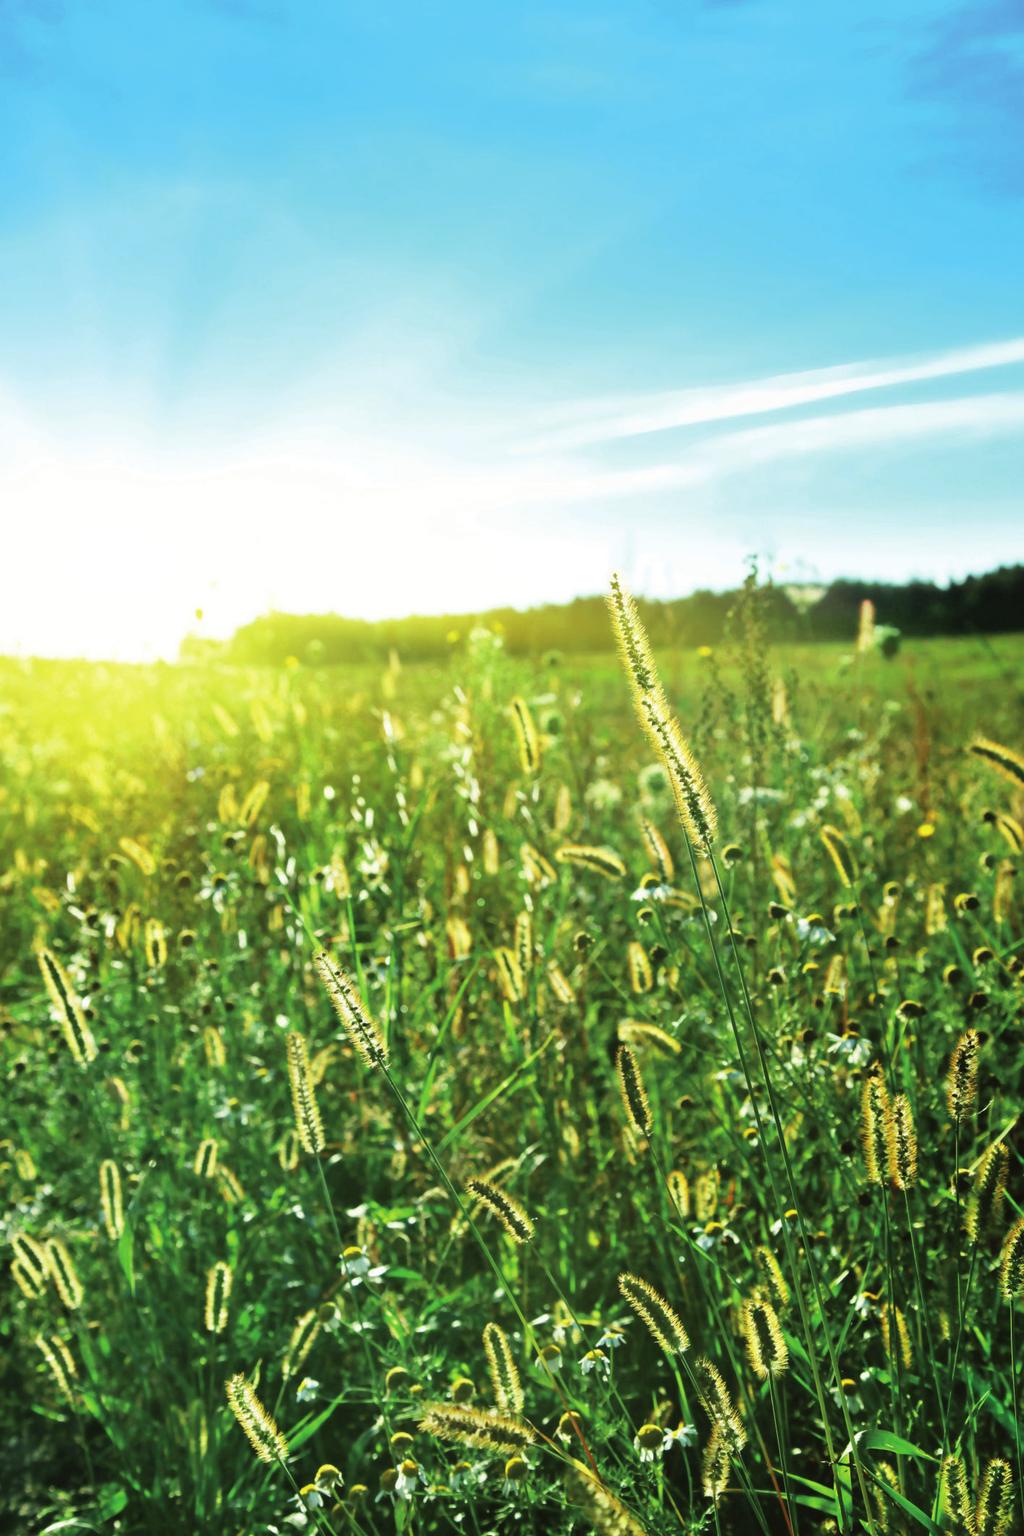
x: 395, y: 307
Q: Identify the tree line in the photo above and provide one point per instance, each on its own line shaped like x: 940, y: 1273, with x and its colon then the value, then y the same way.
x: 988, y: 604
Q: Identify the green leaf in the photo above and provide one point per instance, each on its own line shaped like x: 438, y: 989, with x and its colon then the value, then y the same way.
x: 884, y: 1440
x: 902, y: 1502
x: 126, y: 1255
x: 299, y: 1436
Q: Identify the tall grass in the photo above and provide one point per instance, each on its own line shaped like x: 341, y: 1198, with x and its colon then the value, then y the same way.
x: 433, y: 1101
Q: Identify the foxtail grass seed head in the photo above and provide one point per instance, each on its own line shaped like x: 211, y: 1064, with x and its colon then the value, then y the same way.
x: 985, y: 1203
x: 935, y: 919
x: 679, y: 1193
x: 901, y: 1143
x: 481, y: 1428
x: 962, y: 1077
x: 631, y: 639
x: 28, y: 1283
x: 641, y: 977
x: 716, y: 1464
x: 524, y: 942
x: 955, y: 1495
x: 76, y: 1030
x: 32, y: 1257
x: 874, y: 1116
x: 658, y: 850
x: 64, y: 1274
x: 993, y: 1514
x: 502, y: 1369
x: 634, y: 1094
x: 660, y: 1319
x: 838, y: 851
x: 504, y: 1207
x: 561, y: 986
x: 773, y: 1281
x: 1002, y: 891
x: 718, y: 1405
x: 61, y: 1363
x: 111, y: 1200
x: 1007, y: 763
x: 898, y: 1338
x: 204, y: 1165
x: 257, y: 1424
x: 1011, y: 1261
x: 307, y: 1113
x: 602, y: 861
x: 527, y: 740
x: 354, y: 1016
x: 694, y: 805
x: 766, y: 1347
x: 603, y: 1511
x: 218, y: 1294
x: 510, y: 974
x: 303, y: 1337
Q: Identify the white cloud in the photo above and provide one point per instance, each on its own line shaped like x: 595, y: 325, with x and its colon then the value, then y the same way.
x: 590, y: 422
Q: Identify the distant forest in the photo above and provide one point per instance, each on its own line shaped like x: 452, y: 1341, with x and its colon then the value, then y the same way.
x: 989, y: 604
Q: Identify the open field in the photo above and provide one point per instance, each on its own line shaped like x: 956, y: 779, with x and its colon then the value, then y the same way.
x: 183, y: 841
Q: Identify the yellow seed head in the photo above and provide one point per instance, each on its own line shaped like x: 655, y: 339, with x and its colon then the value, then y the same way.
x: 962, y: 1077
x: 716, y: 1464
x: 257, y: 1424
x: 985, y: 1204
x: 32, y: 1258
x: 1009, y: 764
x: 510, y: 974
x: 111, y: 1199
x: 955, y: 1493
x: 993, y: 1514
x: 641, y: 978
x: 901, y: 1142
x: 218, y: 1294
x: 307, y: 1114
x: 604, y: 1513
x: 718, y: 1405
x: 634, y: 1094
x: 902, y: 1338
x: 660, y: 1319
x: 77, y: 1033
x: 303, y: 1337
x: 679, y: 1193
x: 502, y: 1369
x: 560, y: 985
x: 772, y: 1277
x: 1011, y: 1261
x: 62, y: 1366
x: 524, y: 942
x: 874, y: 1116
x: 838, y: 851
x: 603, y: 861
x: 205, y: 1163
x: 504, y: 1207
x: 766, y: 1347
x: 354, y: 1016
x: 658, y: 850
x: 64, y: 1274
x: 527, y: 740
x: 694, y: 805
x: 481, y: 1428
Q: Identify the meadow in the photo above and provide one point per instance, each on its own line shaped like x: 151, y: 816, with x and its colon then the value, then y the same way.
x: 601, y: 1173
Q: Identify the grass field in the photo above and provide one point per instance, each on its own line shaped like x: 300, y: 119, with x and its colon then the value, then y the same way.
x: 176, y: 847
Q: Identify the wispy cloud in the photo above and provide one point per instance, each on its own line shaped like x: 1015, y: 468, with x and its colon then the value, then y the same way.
x: 590, y: 422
